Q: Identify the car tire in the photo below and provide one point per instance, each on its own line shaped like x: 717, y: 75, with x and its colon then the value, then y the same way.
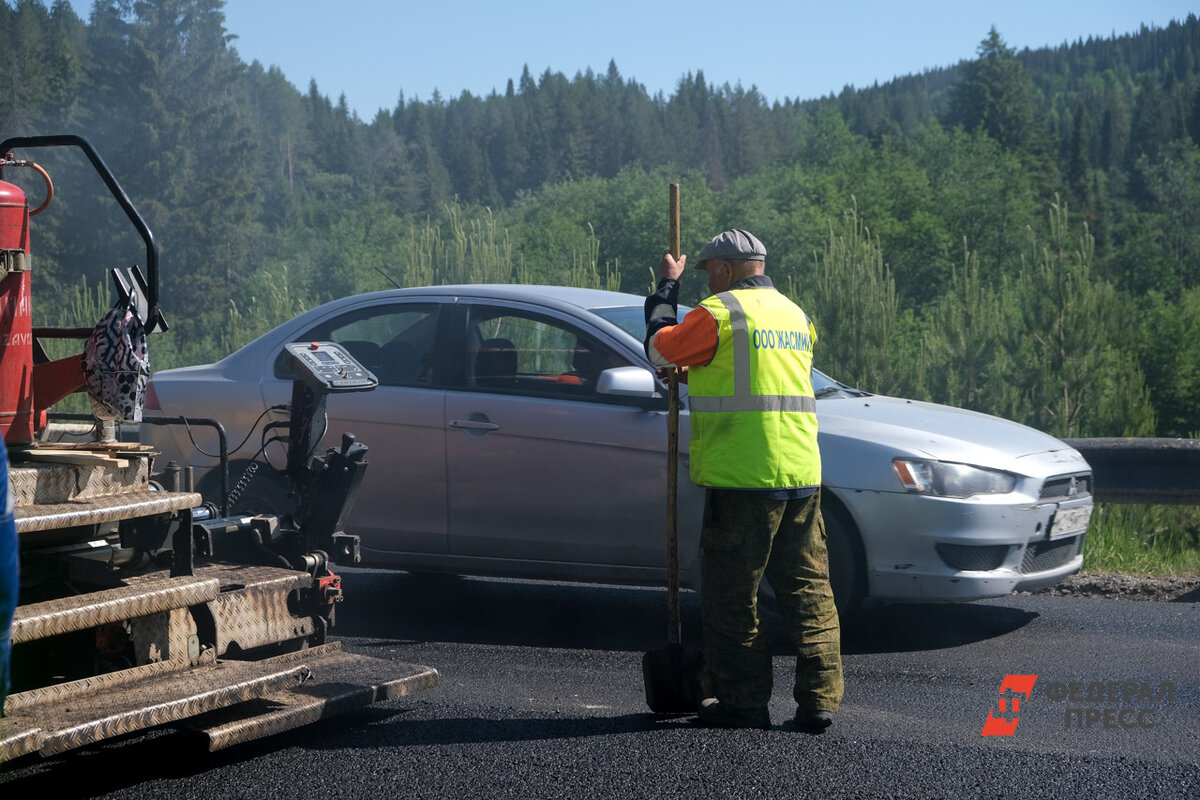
x: 255, y: 488
x: 847, y: 560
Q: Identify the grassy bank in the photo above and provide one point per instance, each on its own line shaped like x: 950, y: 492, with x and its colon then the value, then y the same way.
x: 1143, y: 540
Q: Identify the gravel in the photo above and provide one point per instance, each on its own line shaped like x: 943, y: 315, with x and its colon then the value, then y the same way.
x: 1179, y: 589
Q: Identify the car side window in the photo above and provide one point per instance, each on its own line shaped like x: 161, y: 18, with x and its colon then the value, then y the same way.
x: 525, y: 353
x: 396, y: 342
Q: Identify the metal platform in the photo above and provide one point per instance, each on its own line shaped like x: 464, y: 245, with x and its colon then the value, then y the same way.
x: 54, y: 617
x: 258, y: 698
x: 113, y: 508
x: 86, y: 485
x: 340, y: 682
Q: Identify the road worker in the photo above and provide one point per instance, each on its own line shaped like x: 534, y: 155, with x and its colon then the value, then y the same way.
x: 747, y: 350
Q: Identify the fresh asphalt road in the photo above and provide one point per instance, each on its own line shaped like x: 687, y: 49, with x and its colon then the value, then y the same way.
x: 541, y: 696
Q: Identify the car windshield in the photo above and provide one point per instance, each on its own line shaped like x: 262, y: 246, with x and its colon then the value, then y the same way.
x: 632, y: 320
x: 825, y: 386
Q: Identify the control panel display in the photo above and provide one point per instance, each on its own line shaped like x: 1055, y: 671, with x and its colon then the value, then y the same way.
x: 329, y: 367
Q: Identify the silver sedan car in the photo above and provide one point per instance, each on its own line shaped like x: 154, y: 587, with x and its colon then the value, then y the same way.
x: 520, y: 431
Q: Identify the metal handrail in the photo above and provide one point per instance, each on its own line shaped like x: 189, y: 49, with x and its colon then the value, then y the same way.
x: 154, y: 321
x: 222, y: 441
x: 1149, y: 471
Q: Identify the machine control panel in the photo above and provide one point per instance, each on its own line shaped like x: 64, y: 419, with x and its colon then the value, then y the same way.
x: 329, y: 367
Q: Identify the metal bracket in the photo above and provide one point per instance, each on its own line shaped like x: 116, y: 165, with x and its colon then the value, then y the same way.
x: 13, y: 261
x: 132, y: 290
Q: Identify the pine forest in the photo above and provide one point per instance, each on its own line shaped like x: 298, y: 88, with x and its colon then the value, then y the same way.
x: 1018, y: 233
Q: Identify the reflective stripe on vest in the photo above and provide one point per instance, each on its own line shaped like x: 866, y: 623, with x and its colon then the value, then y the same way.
x: 754, y: 403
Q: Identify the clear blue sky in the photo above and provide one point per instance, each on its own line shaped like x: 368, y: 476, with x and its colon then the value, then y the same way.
x: 372, y: 50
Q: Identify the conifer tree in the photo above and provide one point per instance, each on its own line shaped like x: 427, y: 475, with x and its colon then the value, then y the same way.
x: 962, y: 334
x: 1072, y: 369
x: 853, y: 304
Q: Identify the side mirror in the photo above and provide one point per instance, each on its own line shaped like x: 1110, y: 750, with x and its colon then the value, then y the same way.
x: 627, y: 382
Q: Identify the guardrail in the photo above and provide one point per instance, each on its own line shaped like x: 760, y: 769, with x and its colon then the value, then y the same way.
x: 1143, y: 471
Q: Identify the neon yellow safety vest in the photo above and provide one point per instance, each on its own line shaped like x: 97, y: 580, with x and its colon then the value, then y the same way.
x: 753, y: 414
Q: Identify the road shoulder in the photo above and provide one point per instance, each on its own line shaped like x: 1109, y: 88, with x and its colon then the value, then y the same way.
x: 1177, y: 589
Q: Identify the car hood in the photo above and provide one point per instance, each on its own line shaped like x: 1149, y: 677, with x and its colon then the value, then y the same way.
x: 929, y: 430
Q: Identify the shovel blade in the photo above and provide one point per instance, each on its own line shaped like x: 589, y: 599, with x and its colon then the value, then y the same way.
x: 676, y: 679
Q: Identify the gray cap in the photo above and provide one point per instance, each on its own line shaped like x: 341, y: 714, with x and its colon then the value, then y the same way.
x: 732, y: 245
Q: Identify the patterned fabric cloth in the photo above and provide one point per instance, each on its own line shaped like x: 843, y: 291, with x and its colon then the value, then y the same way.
x: 116, y: 365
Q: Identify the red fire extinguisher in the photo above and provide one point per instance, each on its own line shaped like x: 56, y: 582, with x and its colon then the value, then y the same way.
x: 17, y: 416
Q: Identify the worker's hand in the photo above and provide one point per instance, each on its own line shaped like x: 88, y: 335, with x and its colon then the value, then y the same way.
x: 683, y: 373
x: 670, y: 268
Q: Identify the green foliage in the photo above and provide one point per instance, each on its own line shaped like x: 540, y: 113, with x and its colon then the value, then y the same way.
x: 853, y: 305
x: 585, y: 269
x: 1173, y: 184
x: 1143, y: 540
x: 81, y: 306
x: 1168, y: 350
x: 1071, y: 369
x: 265, y: 301
x: 980, y: 193
x: 996, y: 95
x: 962, y: 340
x: 266, y: 200
x: 475, y: 252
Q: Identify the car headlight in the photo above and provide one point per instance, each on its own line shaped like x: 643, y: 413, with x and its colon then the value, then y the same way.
x: 943, y: 479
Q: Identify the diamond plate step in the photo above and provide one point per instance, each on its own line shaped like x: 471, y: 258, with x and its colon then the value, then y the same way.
x: 111, y: 508
x: 153, y: 701
x: 240, y: 701
x: 340, y: 682
x: 53, y: 617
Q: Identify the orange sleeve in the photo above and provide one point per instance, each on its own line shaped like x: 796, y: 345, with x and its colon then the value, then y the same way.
x: 690, y: 343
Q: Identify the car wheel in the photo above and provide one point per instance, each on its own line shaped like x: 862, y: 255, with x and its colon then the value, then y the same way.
x: 254, y: 488
x: 847, y: 562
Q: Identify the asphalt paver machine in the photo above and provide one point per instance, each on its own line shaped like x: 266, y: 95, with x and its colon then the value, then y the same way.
x: 141, y: 606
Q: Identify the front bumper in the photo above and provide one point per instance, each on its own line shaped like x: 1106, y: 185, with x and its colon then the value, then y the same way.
x: 932, y: 548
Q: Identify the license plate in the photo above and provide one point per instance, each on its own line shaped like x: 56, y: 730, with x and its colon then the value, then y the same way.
x: 1070, y: 520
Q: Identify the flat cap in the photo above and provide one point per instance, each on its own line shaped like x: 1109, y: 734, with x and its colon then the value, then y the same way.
x: 734, y: 244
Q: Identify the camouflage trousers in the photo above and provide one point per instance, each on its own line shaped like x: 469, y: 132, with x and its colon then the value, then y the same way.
x: 746, y: 536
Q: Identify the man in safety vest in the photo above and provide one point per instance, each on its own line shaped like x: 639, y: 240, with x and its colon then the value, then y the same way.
x: 748, y: 350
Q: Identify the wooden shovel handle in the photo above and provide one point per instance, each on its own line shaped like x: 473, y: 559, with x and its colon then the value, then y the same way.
x: 674, y: 634
x: 674, y: 223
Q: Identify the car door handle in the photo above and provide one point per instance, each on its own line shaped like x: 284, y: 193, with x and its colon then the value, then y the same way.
x: 474, y: 425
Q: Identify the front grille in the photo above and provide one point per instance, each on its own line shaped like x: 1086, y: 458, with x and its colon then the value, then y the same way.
x: 1059, y: 487
x: 1041, y: 556
x: 973, y: 556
